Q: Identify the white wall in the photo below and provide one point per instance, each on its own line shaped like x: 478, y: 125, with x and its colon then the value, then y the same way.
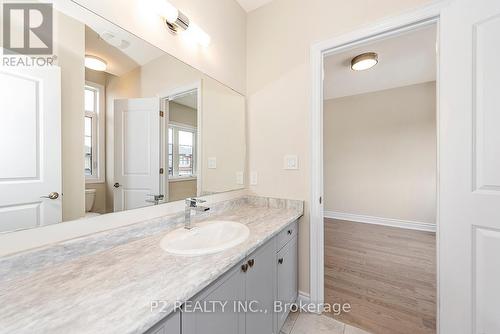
x: 223, y: 20
x: 380, y: 154
x: 279, y: 36
x: 69, y: 40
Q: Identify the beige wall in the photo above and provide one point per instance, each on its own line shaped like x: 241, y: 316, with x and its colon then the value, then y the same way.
x: 279, y: 37
x: 223, y: 20
x: 179, y: 190
x: 179, y: 113
x: 223, y: 137
x: 380, y: 154
x: 69, y: 38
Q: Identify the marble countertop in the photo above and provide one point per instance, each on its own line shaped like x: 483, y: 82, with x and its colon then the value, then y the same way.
x: 105, y: 283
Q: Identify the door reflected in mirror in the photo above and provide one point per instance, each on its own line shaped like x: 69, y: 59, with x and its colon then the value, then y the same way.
x: 115, y: 124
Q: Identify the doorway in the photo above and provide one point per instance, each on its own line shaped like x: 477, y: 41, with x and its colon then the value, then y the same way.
x: 380, y: 169
x: 383, y: 31
x: 180, y: 144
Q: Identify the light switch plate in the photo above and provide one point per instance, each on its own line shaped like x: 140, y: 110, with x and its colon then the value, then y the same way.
x: 239, y: 178
x: 212, y: 163
x: 253, y: 178
x: 291, y: 162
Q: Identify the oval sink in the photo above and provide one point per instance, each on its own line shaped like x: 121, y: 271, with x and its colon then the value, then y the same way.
x: 205, y: 238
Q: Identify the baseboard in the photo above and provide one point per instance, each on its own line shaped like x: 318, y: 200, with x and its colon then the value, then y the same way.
x: 303, y: 297
x: 408, y: 224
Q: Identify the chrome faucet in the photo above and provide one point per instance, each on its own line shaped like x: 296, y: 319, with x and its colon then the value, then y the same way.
x: 192, y: 204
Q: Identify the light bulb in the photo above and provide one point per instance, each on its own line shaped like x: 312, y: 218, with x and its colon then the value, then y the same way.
x: 166, y: 10
x: 195, y: 33
x: 364, y: 61
x: 95, y: 63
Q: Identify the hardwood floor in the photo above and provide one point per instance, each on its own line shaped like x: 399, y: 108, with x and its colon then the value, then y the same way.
x: 387, y: 274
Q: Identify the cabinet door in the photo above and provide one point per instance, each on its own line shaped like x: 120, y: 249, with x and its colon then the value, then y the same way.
x: 287, y: 277
x: 261, y: 288
x: 229, y: 288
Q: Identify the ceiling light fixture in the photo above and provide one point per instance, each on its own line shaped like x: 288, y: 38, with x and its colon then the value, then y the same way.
x: 175, y: 19
x: 95, y: 63
x: 364, y: 61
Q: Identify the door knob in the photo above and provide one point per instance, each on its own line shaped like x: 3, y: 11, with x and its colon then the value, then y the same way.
x: 280, y: 261
x: 116, y: 185
x: 244, y: 268
x: 52, y: 195
x: 251, y: 262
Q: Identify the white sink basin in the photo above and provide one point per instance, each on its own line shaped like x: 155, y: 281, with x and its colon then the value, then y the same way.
x: 205, y: 238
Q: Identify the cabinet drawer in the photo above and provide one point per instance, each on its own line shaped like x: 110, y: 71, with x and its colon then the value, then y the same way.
x: 287, y: 234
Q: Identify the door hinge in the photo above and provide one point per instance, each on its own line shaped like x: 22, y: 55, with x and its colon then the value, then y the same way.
x: 161, y: 170
x: 162, y: 113
x: 320, y: 199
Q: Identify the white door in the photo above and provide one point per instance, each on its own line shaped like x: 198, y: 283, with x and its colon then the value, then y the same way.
x: 469, y: 231
x: 30, y: 147
x: 137, y: 152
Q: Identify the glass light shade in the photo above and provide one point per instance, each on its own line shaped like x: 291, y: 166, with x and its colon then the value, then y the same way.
x: 197, y: 34
x: 166, y: 10
x: 95, y: 63
x: 364, y: 61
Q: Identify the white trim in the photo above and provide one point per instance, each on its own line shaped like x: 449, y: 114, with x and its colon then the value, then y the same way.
x: 407, y: 224
x: 385, y: 28
x: 303, y: 297
x: 99, y: 137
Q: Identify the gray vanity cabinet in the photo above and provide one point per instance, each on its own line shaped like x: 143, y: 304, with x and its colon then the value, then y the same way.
x: 231, y: 288
x: 268, y: 274
x: 170, y: 325
x: 287, y: 280
x: 261, y: 289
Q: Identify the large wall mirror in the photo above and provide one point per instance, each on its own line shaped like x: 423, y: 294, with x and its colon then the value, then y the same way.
x: 113, y: 124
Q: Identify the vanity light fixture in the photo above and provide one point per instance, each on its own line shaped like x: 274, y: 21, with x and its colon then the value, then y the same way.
x: 364, y: 61
x: 175, y: 19
x: 95, y: 63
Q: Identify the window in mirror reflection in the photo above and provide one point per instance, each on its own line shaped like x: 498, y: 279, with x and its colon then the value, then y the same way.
x: 92, y: 103
x: 181, y: 151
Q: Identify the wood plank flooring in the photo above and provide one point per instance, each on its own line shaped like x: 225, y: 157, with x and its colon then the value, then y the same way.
x: 387, y: 274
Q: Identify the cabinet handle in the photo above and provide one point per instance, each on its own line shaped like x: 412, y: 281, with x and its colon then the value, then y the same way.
x: 251, y: 262
x: 280, y: 261
x: 289, y: 232
x: 244, y: 268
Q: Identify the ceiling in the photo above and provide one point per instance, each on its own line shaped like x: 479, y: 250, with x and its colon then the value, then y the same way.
x: 250, y: 5
x: 100, y: 35
x: 404, y: 60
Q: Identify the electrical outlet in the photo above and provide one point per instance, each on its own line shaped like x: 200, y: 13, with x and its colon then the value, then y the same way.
x: 212, y: 163
x: 253, y: 178
x: 291, y: 162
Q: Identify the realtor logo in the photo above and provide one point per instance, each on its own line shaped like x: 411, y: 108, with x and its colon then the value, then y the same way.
x: 27, y: 28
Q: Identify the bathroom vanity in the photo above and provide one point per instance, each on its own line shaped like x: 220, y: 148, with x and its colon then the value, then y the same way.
x: 267, y: 275
x: 122, y: 281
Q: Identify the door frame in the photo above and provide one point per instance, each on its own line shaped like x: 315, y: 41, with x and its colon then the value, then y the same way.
x: 429, y: 14
x: 164, y: 97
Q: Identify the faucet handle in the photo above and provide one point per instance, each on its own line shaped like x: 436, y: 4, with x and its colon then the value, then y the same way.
x: 191, y: 201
